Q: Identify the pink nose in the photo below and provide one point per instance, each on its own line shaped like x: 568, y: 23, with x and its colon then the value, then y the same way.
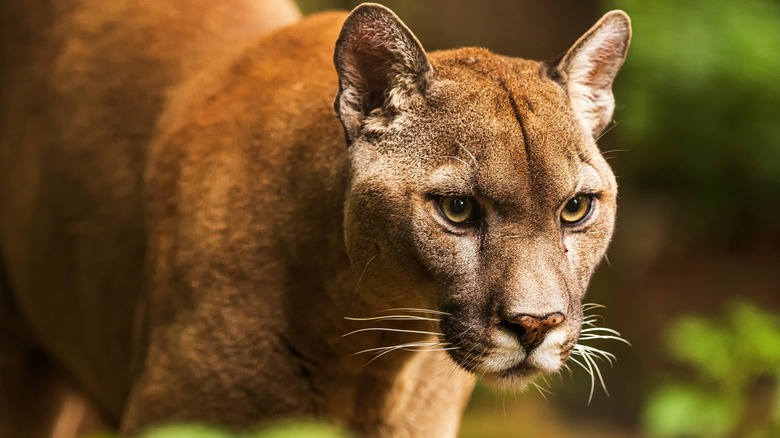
x: 531, y: 329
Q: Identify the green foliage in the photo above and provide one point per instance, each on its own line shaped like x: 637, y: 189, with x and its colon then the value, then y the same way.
x: 281, y: 430
x: 735, y: 390
x: 188, y: 431
x: 701, y: 102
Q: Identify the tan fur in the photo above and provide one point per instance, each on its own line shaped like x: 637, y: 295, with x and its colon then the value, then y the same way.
x: 184, y: 228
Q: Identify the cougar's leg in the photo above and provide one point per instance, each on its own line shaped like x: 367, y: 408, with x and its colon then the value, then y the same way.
x: 28, y: 398
x: 35, y: 400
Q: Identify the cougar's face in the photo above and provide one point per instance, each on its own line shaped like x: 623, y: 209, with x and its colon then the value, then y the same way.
x: 489, y: 203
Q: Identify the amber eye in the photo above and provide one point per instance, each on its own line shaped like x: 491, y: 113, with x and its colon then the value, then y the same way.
x: 458, y: 209
x: 576, y: 209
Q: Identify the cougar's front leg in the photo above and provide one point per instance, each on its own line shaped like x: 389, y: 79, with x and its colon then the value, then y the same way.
x: 36, y: 400
x: 219, y: 363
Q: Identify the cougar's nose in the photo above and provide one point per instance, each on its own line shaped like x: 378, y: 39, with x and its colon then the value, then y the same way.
x: 530, y: 330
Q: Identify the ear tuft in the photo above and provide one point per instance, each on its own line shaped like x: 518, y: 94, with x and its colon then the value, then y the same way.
x: 381, y: 66
x: 590, y: 66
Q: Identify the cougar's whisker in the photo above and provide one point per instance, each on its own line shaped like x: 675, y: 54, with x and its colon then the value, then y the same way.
x: 375, y: 329
x: 600, y: 329
x: 412, y: 346
x: 588, y: 355
x: 413, y: 310
x: 569, y: 370
x: 592, y: 357
x: 403, y: 315
x: 591, y: 320
x: 380, y: 354
x: 589, y: 370
x: 605, y: 133
x: 604, y: 356
x: 547, y: 384
x: 391, y: 347
x: 588, y: 337
x: 461, y: 160
x: 590, y: 306
x: 539, y: 388
x: 393, y: 318
x: 468, y: 152
x: 357, y: 285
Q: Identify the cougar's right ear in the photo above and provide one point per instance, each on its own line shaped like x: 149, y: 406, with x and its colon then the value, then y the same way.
x: 381, y: 65
x: 590, y: 66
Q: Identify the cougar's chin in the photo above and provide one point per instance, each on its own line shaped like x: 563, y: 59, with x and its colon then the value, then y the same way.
x: 514, y: 378
x: 506, y: 365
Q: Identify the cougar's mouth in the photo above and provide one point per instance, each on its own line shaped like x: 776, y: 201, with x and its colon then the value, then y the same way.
x: 498, y: 358
x: 521, y: 369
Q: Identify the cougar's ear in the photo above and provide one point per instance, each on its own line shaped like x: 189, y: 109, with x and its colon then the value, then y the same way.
x: 589, y: 67
x: 382, y: 68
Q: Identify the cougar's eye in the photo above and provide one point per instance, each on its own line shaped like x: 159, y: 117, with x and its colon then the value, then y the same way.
x: 576, y: 209
x: 458, y: 209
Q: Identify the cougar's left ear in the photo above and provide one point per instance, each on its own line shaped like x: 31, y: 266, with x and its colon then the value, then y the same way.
x: 381, y: 66
x: 590, y: 66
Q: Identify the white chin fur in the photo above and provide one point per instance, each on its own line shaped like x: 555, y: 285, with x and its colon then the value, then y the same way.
x: 546, y: 358
x: 514, y: 382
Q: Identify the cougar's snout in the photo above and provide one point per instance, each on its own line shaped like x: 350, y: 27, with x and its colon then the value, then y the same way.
x: 531, y: 330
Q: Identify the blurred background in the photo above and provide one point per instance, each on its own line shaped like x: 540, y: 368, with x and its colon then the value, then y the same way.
x: 693, y: 279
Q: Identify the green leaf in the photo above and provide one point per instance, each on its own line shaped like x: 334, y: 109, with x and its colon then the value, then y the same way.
x: 703, y: 344
x: 757, y: 332
x: 300, y: 430
x: 186, y: 431
x: 687, y: 411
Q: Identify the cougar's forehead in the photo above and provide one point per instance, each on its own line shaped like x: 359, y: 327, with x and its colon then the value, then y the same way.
x: 516, y: 122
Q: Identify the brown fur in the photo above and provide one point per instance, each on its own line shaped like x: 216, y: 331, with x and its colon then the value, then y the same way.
x: 184, y: 234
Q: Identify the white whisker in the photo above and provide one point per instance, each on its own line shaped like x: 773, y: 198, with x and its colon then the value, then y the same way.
x: 600, y: 329
x: 546, y: 390
x: 614, y: 338
x: 568, y: 368
x: 589, y: 356
x: 386, y: 350
x: 403, y: 314
x: 418, y: 347
x: 413, y: 310
x: 587, y: 367
x: 392, y: 347
x: 393, y: 318
x: 411, y: 346
x: 607, y: 130
x: 375, y: 329
x: 357, y: 285
x: 591, y: 320
x: 468, y: 152
x: 456, y: 158
x: 590, y: 306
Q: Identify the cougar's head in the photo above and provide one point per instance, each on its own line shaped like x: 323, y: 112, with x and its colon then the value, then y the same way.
x: 477, y: 189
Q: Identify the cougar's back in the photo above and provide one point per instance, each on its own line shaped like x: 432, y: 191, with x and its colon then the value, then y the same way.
x: 83, y: 85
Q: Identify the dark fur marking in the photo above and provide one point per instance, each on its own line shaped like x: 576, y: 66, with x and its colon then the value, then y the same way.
x: 519, y: 117
x: 305, y: 365
x: 551, y: 70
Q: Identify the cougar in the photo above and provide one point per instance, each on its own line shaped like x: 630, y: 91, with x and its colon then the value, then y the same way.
x: 202, y: 219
